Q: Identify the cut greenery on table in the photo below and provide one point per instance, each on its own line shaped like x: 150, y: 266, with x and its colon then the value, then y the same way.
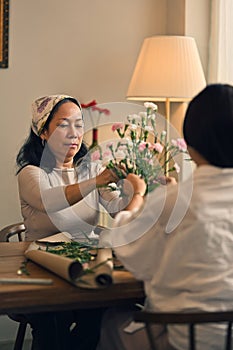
x: 81, y: 252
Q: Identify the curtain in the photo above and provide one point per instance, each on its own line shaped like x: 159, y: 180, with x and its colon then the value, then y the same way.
x: 220, y: 67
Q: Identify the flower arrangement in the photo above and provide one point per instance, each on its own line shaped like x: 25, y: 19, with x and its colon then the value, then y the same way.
x: 141, y: 150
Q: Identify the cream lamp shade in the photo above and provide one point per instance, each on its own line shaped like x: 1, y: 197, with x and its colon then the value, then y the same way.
x: 167, y: 67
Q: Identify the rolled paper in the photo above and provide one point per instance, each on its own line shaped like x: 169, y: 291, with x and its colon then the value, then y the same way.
x: 103, y: 267
x: 99, y: 272
x: 66, y: 268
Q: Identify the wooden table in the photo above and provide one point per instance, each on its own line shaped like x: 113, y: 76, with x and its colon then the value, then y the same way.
x: 61, y: 295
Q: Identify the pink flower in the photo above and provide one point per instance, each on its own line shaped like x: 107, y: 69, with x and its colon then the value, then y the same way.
x: 142, y: 146
x: 150, y: 161
x: 109, y: 144
x: 107, y: 156
x: 158, y: 147
x: 180, y: 143
x: 117, y: 126
x: 95, y: 155
x: 122, y: 148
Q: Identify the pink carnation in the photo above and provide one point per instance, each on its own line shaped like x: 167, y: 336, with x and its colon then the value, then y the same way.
x: 117, y: 126
x: 180, y: 143
x: 95, y: 155
x: 158, y: 147
x: 142, y: 146
x: 106, y: 154
x: 109, y: 144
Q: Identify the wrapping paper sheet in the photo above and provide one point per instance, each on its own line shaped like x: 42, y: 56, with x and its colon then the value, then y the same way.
x: 69, y: 269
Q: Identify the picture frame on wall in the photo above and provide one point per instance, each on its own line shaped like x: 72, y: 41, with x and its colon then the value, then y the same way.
x: 4, y: 32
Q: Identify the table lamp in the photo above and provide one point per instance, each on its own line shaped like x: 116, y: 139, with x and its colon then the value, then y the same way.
x: 168, y: 69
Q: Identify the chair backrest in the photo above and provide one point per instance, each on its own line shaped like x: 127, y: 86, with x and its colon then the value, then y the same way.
x: 191, y: 319
x: 8, y: 231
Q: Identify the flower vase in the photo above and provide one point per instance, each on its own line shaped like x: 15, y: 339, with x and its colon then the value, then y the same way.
x: 94, y: 138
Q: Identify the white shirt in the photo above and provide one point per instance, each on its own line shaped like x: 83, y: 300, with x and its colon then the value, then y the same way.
x: 190, y: 268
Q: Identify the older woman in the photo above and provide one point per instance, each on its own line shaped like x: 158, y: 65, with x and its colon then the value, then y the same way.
x: 60, y: 189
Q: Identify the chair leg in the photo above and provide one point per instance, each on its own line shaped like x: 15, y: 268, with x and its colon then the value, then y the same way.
x: 20, y: 336
x: 150, y: 336
x: 229, y: 336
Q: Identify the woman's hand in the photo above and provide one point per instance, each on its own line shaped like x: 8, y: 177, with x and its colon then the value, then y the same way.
x: 133, y: 184
x: 134, y: 188
x: 106, y: 177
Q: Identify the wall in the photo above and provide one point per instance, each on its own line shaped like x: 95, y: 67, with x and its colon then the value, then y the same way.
x: 190, y: 18
x: 175, y: 23
x: 197, y: 25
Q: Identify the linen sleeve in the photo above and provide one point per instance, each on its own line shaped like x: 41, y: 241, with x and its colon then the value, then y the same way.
x: 141, y: 256
x: 36, y: 190
x: 139, y: 239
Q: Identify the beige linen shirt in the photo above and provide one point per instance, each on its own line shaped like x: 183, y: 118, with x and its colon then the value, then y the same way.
x: 189, y: 266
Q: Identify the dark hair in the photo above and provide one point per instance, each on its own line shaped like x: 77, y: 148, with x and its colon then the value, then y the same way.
x: 208, y: 124
x: 32, y: 150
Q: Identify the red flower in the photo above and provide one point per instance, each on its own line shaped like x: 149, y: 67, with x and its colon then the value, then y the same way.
x: 101, y: 110
x: 91, y: 109
x: 88, y: 105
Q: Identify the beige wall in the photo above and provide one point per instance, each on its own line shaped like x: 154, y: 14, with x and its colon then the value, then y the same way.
x: 197, y: 25
x: 175, y: 23
x: 190, y: 18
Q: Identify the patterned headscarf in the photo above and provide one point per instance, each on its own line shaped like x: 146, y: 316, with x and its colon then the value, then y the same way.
x: 41, y: 109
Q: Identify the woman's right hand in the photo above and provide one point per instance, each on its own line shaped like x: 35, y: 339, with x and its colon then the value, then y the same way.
x: 106, y: 177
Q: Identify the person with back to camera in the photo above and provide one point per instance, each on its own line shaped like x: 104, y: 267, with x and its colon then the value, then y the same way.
x: 186, y: 264
x: 60, y: 189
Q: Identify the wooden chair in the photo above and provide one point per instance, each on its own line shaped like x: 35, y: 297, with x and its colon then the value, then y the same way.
x: 9, y: 231
x: 5, y: 234
x: 191, y: 319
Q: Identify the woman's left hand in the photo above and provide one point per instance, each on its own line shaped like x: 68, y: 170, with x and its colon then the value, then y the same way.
x: 134, y: 184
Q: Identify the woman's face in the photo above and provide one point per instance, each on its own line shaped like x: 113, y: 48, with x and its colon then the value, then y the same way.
x: 65, y: 133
